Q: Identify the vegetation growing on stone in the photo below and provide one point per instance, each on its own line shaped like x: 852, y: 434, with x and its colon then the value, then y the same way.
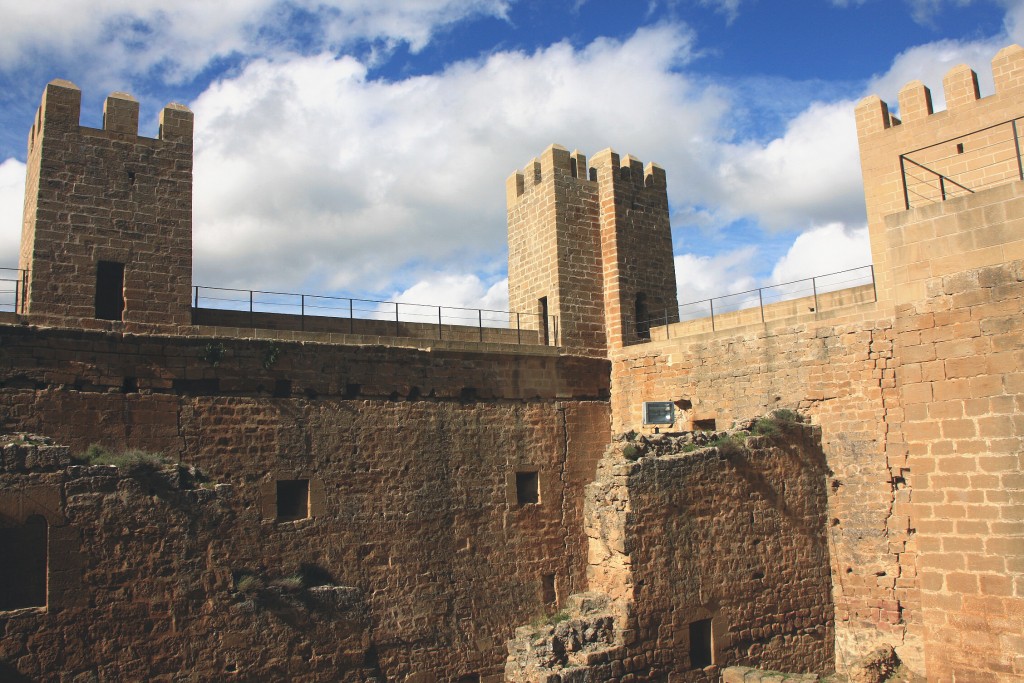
x: 130, y: 460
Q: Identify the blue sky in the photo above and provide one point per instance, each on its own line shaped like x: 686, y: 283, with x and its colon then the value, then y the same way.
x: 360, y: 147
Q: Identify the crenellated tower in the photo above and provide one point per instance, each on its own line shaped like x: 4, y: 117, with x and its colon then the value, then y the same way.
x: 590, y: 248
x: 925, y: 158
x: 107, y: 232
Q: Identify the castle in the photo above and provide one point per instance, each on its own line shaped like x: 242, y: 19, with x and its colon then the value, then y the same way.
x: 367, y: 499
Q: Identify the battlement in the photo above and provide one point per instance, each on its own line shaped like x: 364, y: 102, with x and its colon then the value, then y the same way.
x: 960, y: 86
x: 574, y: 165
x: 60, y: 112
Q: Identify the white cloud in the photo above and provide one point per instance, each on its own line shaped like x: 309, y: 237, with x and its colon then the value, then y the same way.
x: 824, y: 250
x: 175, y: 40
x: 12, y: 199
x: 703, y: 277
x: 330, y: 181
x: 811, y: 174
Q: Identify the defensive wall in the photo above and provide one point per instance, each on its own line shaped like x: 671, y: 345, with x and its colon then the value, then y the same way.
x: 434, y: 494
x: 917, y: 394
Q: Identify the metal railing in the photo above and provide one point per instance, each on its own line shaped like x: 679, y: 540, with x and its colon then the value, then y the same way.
x: 812, y: 287
x: 318, y: 313
x: 12, y: 289
x: 962, y: 165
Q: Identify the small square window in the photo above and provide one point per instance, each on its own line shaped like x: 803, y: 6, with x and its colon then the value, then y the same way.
x: 292, y: 499
x: 527, y: 488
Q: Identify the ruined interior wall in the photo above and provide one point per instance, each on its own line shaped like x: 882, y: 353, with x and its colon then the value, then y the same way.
x: 412, y: 458
x: 840, y: 372
x: 738, y: 537
x: 141, y: 588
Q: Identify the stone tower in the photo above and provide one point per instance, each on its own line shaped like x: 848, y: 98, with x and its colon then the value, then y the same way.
x: 107, y: 234
x: 590, y: 249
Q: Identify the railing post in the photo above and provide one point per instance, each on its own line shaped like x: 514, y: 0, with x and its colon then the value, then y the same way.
x: 874, y: 285
x: 252, y: 324
x: 814, y: 286
x: 302, y: 312
x: 903, y: 175
x: 196, y: 304
x: 396, y: 318
x: 480, y: 320
x: 760, y: 302
x: 1016, y: 147
x: 942, y: 186
x: 17, y: 284
x: 351, y: 319
x: 666, y: 324
x: 519, y: 332
x: 439, y: 323
x: 24, y: 290
x: 711, y: 303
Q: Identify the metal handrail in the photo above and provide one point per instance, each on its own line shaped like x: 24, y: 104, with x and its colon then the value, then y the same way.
x: 397, y: 312
x: 17, y: 292
x: 814, y: 291
x: 941, y: 181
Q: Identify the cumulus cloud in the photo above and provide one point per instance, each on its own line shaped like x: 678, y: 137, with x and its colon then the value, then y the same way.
x: 12, y: 198
x: 174, y: 41
x: 824, y: 250
x: 309, y: 174
x: 810, y: 174
x: 703, y: 277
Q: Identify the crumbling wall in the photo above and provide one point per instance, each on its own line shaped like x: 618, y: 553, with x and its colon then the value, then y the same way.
x: 841, y: 373
x: 411, y: 459
x: 730, y: 539
x: 143, y: 584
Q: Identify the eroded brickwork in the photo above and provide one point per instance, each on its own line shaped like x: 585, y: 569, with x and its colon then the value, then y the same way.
x: 732, y: 539
x: 408, y: 454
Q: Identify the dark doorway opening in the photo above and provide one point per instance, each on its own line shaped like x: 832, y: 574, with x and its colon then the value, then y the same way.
x: 109, y: 290
x: 545, y: 331
x: 700, y: 644
x: 292, y: 499
x: 23, y: 570
x: 643, y: 317
x: 527, y: 488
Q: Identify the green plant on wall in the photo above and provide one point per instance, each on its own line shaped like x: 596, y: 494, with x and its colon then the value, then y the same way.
x: 214, y: 353
x: 270, y: 355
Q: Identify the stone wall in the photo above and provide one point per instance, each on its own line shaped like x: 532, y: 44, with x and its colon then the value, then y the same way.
x: 841, y: 373
x: 731, y: 539
x: 962, y: 381
x: 411, y: 458
x: 739, y: 537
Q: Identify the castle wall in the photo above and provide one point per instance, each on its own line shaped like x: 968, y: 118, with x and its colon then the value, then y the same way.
x: 730, y: 539
x: 412, y: 459
x: 840, y: 372
x: 972, y: 143
x: 920, y: 417
x: 738, y: 537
